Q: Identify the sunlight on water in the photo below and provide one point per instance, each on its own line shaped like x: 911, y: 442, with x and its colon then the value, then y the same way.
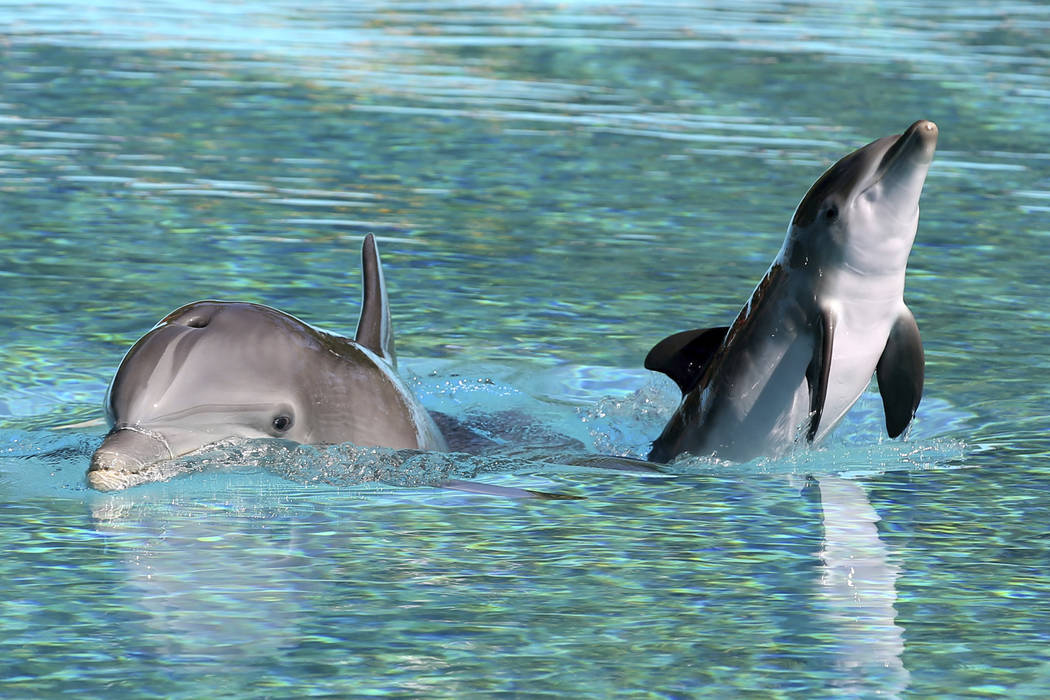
x: 555, y: 187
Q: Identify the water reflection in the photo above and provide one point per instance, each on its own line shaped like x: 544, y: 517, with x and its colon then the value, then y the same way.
x: 239, y: 583
x: 858, y: 585
x: 195, y: 573
x: 565, y: 181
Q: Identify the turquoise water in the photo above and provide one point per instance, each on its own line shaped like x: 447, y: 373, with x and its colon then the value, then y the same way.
x: 555, y: 186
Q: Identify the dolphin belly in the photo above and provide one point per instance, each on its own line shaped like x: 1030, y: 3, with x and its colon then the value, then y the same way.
x: 860, y: 336
x: 761, y: 410
x: 755, y: 401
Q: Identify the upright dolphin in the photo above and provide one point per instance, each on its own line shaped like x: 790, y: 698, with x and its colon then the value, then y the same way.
x: 829, y: 312
x: 213, y: 370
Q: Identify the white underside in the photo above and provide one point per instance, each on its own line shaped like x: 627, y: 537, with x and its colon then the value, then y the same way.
x: 765, y: 405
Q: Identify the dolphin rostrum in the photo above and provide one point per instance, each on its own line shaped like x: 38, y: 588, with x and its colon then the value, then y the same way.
x: 213, y: 370
x: 828, y: 314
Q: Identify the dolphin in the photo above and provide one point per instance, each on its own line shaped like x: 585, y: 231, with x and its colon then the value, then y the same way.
x: 213, y: 370
x: 828, y: 314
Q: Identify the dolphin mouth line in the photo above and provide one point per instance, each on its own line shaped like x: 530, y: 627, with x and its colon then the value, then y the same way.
x: 109, y: 480
x: 894, y: 154
x: 153, y: 435
x: 114, y: 467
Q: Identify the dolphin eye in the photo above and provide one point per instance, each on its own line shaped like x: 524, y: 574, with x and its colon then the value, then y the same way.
x: 282, y: 423
x: 831, y: 214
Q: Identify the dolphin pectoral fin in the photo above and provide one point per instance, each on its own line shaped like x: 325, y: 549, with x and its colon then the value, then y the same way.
x: 819, y: 370
x: 373, y: 328
x: 504, y: 491
x: 683, y: 356
x: 900, y: 372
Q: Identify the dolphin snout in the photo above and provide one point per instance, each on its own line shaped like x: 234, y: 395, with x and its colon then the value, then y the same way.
x: 122, y: 457
x: 902, y: 170
x: 927, y: 127
x: 923, y: 134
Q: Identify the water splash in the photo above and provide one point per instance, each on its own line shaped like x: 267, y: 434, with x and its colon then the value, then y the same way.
x: 626, y: 425
x: 500, y: 421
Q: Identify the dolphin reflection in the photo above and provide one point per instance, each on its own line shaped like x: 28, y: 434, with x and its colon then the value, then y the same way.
x: 858, y: 585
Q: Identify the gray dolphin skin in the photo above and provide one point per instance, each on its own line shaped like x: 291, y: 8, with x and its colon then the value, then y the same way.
x: 213, y: 370
x: 828, y: 314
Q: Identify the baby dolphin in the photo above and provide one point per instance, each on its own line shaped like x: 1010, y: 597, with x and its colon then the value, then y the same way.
x: 829, y: 312
x: 213, y: 370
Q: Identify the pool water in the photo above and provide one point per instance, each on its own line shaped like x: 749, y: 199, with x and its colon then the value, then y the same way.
x: 554, y: 187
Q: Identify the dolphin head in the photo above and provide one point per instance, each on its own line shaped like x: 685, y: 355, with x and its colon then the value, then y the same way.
x: 208, y: 371
x: 863, y: 212
x: 214, y: 370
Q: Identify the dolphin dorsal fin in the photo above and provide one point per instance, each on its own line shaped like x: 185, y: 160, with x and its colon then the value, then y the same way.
x: 683, y: 356
x: 373, y: 328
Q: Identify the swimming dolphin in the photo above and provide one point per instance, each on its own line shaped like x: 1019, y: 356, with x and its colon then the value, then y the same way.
x: 213, y: 370
x: 829, y: 312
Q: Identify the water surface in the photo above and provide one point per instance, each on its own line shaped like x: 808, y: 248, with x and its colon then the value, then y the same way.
x: 555, y: 186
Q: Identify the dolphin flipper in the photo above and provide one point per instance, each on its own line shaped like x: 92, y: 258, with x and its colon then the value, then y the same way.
x: 900, y: 372
x: 373, y: 328
x: 683, y: 356
x: 819, y: 370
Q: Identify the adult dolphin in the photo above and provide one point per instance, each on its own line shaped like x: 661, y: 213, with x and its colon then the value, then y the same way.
x: 829, y: 312
x: 213, y: 370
